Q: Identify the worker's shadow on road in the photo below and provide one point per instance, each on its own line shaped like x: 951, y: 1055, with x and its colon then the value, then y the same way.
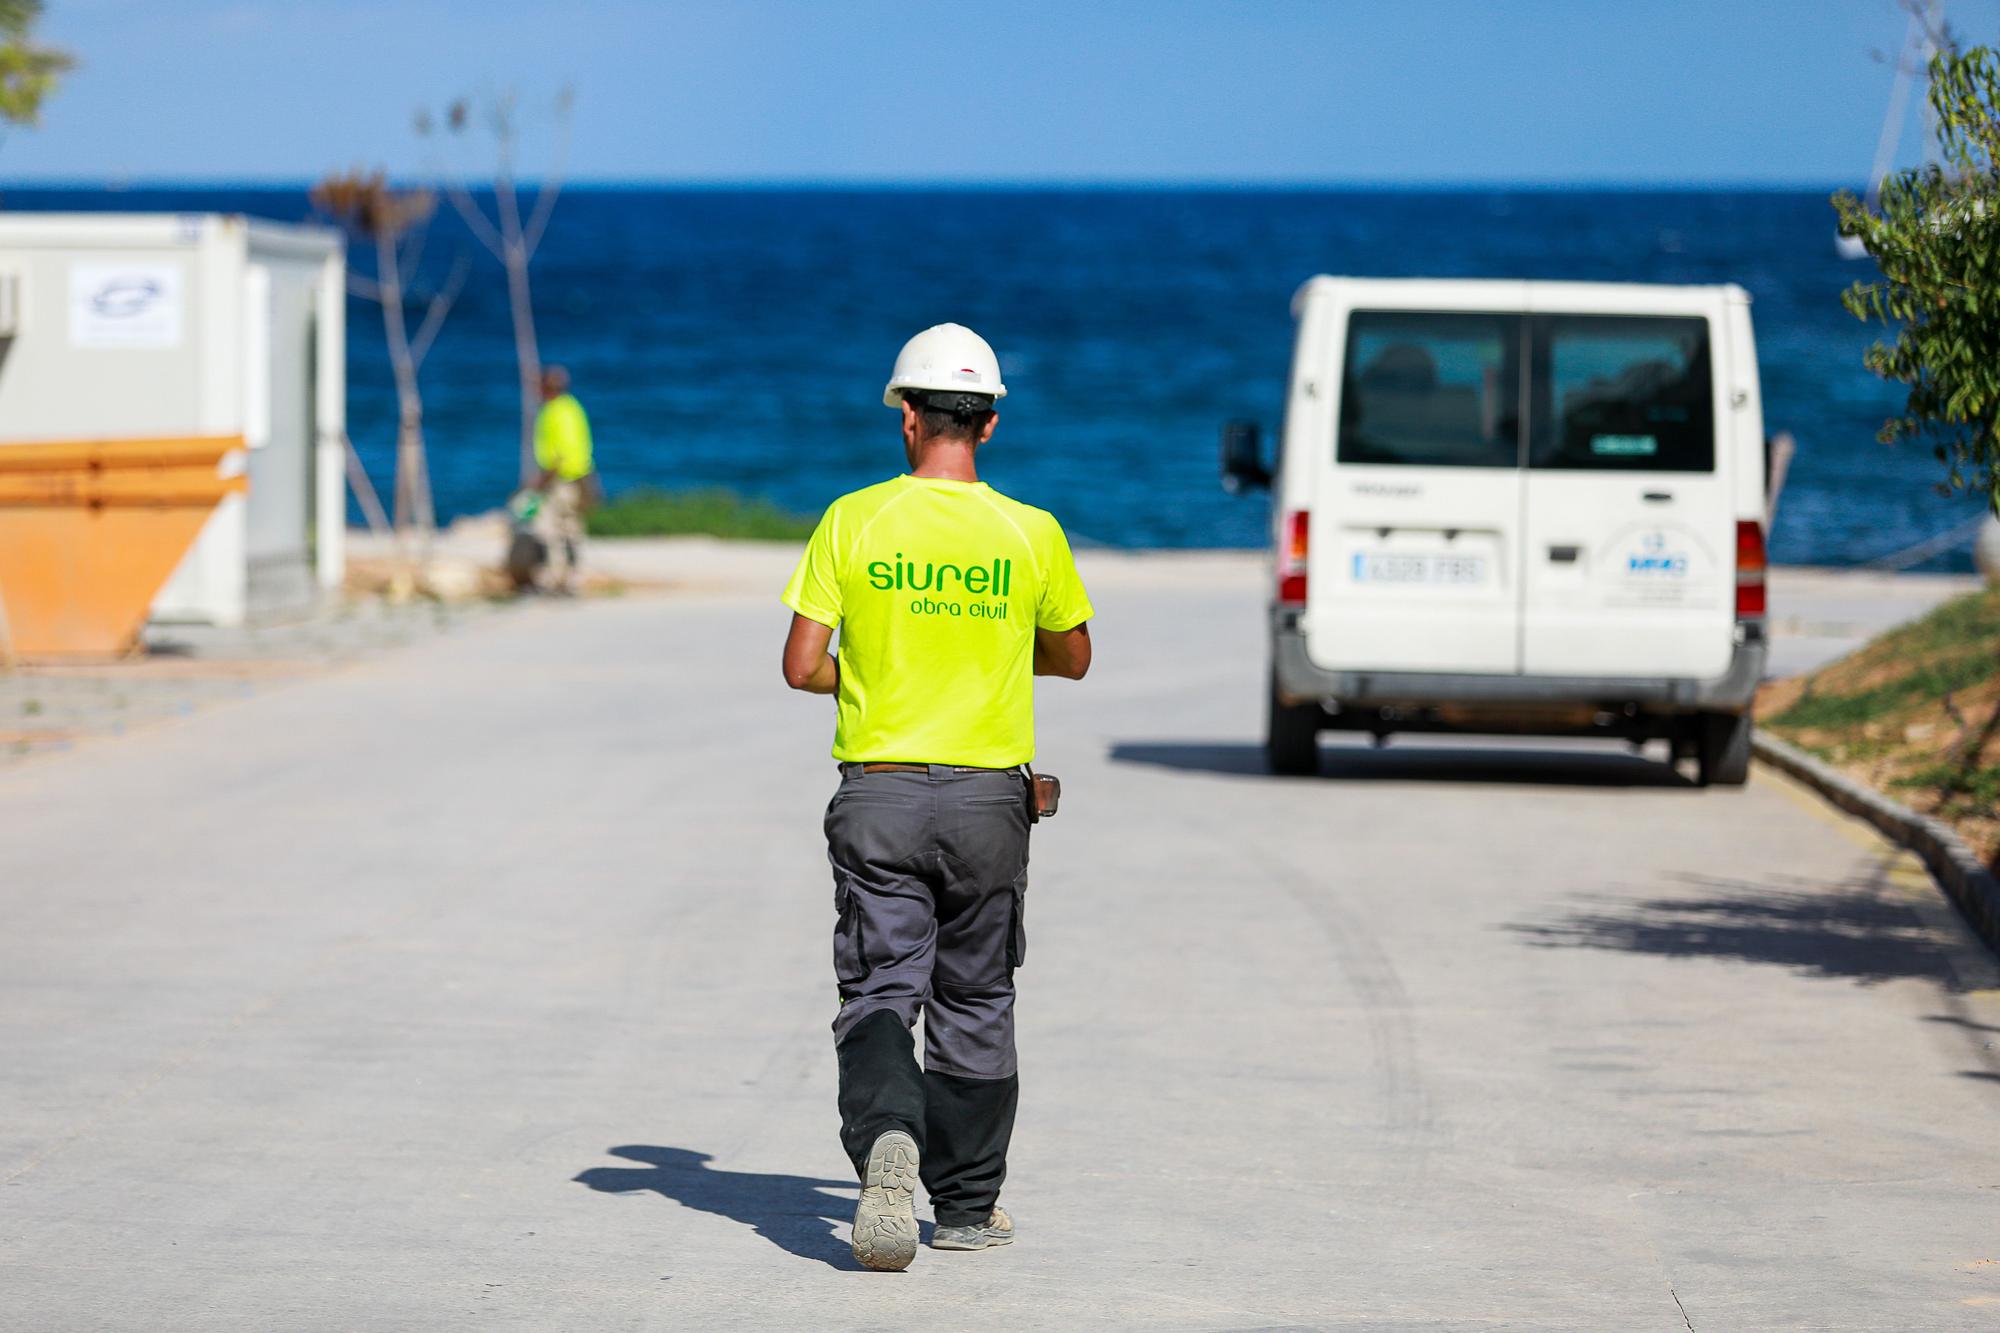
x: 794, y: 1213
x: 1416, y: 763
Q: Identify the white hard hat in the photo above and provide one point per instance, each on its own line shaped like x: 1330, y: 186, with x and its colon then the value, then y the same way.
x: 945, y: 358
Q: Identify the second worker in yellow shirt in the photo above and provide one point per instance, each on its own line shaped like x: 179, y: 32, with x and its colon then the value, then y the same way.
x: 563, y: 453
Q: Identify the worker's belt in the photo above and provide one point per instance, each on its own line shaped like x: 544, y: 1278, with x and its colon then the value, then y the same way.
x: 1042, y: 790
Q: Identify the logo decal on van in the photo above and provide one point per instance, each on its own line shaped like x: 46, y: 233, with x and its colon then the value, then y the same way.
x: 1654, y: 558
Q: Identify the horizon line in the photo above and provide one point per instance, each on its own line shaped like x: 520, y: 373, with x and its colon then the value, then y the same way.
x: 876, y: 185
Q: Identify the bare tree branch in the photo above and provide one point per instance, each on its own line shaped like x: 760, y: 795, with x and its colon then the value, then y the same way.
x: 364, y: 490
x: 365, y: 288
x: 552, y: 182
x: 368, y: 208
x: 411, y: 252
x: 500, y: 119
x: 510, y: 209
x: 440, y: 306
x: 426, y: 503
x: 467, y: 207
x: 475, y: 219
x: 1930, y: 17
x: 503, y: 232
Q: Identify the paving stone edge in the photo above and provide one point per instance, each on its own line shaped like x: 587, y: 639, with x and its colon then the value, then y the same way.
x: 1956, y: 868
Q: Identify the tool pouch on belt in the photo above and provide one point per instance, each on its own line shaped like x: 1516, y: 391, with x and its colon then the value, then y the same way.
x: 1044, y: 792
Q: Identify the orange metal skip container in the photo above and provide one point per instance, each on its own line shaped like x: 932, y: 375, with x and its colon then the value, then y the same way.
x: 90, y: 530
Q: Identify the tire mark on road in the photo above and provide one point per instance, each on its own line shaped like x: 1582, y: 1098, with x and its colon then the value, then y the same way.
x: 1408, y: 1114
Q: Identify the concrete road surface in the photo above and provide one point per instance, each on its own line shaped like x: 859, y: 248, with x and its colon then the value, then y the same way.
x: 486, y: 985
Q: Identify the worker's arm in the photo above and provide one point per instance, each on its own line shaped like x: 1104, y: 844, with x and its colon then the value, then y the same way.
x: 542, y: 482
x: 1063, y: 652
x: 808, y: 666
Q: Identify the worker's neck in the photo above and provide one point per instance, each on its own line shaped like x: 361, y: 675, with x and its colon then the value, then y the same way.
x: 945, y: 460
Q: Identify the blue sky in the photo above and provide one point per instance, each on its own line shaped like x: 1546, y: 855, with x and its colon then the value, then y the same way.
x: 1390, y: 91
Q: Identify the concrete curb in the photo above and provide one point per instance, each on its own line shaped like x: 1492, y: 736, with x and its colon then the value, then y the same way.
x: 1964, y: 880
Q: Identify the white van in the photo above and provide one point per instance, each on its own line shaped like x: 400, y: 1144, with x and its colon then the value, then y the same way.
x: 1517, y: 507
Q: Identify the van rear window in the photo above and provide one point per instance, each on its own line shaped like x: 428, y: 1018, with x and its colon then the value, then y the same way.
x: 1622, y: 393
x: 1437, y: 390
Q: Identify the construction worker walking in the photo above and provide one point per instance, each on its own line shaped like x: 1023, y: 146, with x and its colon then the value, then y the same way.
x: 949, y: 597
x: 568, y: 476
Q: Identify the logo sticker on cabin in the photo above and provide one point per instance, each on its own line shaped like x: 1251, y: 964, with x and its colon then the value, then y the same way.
x: 124, y: 305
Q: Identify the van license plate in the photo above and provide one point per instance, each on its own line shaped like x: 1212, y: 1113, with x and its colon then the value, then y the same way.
x: 1456, y: 570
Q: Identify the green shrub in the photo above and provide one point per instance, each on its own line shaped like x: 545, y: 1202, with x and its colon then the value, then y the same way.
x: 649, y: 512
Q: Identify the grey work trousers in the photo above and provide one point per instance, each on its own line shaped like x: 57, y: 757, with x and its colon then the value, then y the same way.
x: 929, y: 874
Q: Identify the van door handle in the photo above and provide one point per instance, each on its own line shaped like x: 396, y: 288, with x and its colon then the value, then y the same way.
x: 1658, y: 497
x: 1563, y: 555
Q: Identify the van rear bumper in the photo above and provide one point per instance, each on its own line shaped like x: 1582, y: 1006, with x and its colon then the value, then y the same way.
x: 1302, y: 680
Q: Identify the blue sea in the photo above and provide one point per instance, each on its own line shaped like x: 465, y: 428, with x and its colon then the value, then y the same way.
x: 740, y: 338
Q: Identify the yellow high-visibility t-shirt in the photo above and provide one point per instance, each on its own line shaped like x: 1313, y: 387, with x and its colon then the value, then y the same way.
x: 562, y: 438
x: 937, y: 588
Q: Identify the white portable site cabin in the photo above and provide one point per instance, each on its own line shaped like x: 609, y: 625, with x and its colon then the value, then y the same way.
x: 133, y: 326
x: 1518, y: 506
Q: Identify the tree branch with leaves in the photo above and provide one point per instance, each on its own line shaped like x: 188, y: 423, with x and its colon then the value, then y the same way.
x: 29, y: 71
x: 1935, y: 235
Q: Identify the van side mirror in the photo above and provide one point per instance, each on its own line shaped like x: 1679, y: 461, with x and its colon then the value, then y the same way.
x: 1243, y: 459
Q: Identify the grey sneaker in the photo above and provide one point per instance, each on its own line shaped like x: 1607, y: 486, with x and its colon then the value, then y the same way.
x: 885, y: 1221
x: 996, y: 1230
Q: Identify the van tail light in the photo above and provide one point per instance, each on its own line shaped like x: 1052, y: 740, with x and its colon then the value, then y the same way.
x: 1292, y: 559
x: 1750, y: 565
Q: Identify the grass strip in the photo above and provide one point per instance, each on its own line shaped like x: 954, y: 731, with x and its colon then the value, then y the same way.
x: 1916, y: 710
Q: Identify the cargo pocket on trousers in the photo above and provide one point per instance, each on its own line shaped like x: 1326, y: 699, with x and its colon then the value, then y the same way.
x: 848, y: 964
x: 1017, y: 929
